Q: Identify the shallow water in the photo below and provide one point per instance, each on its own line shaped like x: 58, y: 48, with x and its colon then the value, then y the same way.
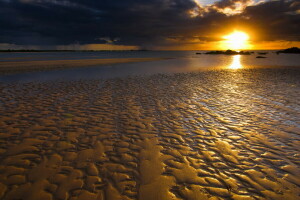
x: 222, y: 134
x: 178, y: 62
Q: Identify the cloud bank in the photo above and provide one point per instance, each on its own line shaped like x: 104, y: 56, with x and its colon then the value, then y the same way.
x: 143, y: 23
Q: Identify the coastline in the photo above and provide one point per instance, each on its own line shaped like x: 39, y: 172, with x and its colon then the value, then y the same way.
x: 11, y: 67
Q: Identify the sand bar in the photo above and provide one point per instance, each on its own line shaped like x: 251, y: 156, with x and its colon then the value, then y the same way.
x: 9, y: 67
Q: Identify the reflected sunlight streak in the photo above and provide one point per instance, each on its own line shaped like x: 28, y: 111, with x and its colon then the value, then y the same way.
x: 236, y: 62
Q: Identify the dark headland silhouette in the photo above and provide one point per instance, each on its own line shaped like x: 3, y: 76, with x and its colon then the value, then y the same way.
x: 290, y: 50
x: 228, y: 52
x: 293, y: 50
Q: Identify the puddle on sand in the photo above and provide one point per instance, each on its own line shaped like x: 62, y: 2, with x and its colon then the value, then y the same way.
x: 211, y: 135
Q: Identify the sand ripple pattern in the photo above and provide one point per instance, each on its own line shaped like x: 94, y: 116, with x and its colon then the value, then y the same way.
x: 210, y: 135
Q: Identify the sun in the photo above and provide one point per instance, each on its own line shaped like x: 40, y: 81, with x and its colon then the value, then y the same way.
x: 237, y: 40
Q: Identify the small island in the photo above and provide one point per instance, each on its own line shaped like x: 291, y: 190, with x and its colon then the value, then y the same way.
x: 261, y: 57
x: 294, y: 50
x: 228, y: 52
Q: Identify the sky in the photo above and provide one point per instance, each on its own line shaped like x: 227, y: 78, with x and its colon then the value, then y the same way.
x: 147, y: 24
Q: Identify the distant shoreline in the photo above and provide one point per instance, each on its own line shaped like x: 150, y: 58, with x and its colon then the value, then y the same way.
x: 41, y: 51
x: 141, y: 50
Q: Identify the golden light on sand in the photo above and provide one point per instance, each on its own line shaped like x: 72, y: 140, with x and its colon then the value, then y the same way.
x: 236, y: 40
x: 236, y: 62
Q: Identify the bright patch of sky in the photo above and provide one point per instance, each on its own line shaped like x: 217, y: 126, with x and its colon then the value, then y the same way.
x: 206, y: 2
x: 210, y: 2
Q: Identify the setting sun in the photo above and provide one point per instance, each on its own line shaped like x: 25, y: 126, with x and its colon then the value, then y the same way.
x: 236, y: 40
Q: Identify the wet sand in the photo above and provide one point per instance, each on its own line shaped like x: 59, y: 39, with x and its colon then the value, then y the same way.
x: 210, y: 135
x: 13, y: 66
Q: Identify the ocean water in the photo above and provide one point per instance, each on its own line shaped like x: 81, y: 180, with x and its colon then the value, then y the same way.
x: 177, y: 62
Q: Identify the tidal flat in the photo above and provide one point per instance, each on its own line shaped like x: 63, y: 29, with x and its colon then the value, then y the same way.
x: 227, y: 134
x: 28, y: 64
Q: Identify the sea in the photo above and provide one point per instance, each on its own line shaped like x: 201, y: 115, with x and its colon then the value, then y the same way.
x: 173, y: 62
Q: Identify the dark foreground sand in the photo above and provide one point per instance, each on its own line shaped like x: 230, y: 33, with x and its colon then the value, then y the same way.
x: 213, y: 135
x: 13, y: 66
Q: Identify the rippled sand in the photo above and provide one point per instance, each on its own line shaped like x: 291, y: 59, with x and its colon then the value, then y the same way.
x: 209, y: 135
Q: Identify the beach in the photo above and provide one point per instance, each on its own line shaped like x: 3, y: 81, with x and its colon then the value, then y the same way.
x: 196, y: 135
x: 11, y: 66
x: 150, y: 100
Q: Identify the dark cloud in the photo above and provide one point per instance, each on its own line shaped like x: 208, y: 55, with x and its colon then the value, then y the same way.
x: 144, y: 23
x: 276, y: 20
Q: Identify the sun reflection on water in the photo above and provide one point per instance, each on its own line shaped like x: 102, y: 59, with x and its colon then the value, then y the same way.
x: 236, y: 62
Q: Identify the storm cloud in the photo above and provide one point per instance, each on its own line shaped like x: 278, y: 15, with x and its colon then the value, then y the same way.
x: 143, y: 23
